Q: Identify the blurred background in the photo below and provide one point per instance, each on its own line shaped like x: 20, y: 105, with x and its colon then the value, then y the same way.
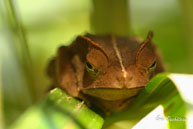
x: 31, y: 32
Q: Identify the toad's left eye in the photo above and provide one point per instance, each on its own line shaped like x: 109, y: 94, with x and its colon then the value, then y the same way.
x: 152, y: 67
x: 92, y: 70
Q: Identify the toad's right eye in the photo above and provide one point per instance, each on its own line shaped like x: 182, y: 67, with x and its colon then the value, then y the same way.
x: 92, y: 70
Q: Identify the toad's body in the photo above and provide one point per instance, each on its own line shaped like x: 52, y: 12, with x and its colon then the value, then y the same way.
x: 107, y: 71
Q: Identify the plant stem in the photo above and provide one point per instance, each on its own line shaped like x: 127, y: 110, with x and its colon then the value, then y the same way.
x: 22, y: 50
x: 110, y: 17
x: 1, y: 106
x: 187, y: 6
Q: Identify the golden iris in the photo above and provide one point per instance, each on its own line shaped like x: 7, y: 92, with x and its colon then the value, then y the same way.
x: 92, y: 70
x: 152, y: 67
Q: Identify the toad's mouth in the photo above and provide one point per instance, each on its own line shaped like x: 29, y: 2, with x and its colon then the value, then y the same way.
x: 112, y: 94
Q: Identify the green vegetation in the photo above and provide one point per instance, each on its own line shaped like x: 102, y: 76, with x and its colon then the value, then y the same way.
x: 31, y: 32
x: 58, y: 110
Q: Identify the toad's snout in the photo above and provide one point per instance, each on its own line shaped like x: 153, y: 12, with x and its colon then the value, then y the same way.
x: 112, y: 94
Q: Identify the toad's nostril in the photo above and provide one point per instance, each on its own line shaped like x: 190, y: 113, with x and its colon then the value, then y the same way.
x: 129, y: 78
x: 120, y: 78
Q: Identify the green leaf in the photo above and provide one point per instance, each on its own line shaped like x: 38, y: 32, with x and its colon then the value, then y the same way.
x: 59, y: 111
x: 166, y: 101
x: 172, y: 92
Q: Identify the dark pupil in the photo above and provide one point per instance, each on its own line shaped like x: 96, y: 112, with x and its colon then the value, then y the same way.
x: 154, y: 63
x: 89, y: 65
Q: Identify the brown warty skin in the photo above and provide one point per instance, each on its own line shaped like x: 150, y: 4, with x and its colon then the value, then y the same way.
x: 105, y: 71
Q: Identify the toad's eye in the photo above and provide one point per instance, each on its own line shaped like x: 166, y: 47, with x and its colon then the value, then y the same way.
x: 92, y: 70
x: 152, y: 67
